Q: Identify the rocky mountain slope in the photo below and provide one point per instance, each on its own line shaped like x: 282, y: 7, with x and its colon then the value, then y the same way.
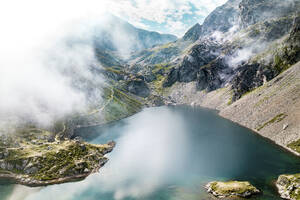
x: 115, y: 39
x: 243, y: 48
x: 243, y: 61
x: 35, y: 155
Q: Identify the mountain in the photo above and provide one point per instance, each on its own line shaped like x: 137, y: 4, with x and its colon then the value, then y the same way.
x: 193, y: 33
x: 243, y: 61
x: 116, y: 39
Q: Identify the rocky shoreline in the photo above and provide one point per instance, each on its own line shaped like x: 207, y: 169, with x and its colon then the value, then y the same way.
x: 34, y: 158
x: 19, y: 179
x: 289, y: 186
x: 32, y: 182
x: 260, y: 110
x: 231, y: 189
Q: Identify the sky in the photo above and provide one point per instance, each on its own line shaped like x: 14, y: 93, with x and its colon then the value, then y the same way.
x: 165, y: 16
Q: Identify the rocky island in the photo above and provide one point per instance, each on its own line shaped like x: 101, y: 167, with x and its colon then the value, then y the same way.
x: 36, y: 157
x: 231, y: 189
x: 289, y: 186
x: 243, y: 61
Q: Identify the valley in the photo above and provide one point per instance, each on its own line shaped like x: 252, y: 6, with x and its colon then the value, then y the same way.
x: 243, y: 62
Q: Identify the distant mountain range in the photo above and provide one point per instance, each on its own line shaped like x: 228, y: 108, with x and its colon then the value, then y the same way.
x: 117, y: 39
x: 243, y: 60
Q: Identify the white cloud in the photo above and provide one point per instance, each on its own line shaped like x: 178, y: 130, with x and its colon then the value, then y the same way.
x: 31, y: 29
x: 163, y: 11
x: 149, y: 153
x: 33, y: 86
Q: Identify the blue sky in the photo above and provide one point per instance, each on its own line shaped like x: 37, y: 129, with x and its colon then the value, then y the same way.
x: 165, y: 16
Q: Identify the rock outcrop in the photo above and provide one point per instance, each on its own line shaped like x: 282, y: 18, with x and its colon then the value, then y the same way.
x: 242, y: 61
x: 222, y: 19
x: 35, y: 161
x: 193, y: 33
x: 289, y: 186
x: 254, y: 11
x: 138, y: 87
x: 231, y: 189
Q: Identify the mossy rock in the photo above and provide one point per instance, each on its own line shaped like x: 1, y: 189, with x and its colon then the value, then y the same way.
x: 289, y: 186
x: 36, y: 161
x: 231, y: 189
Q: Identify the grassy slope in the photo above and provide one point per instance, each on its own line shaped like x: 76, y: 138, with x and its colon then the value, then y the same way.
x: 35, y: 156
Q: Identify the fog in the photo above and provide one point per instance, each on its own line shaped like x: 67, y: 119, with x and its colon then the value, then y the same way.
x: 34, y: 55
x: 150, y: 150
x: 149, y: 153
x: 246, y: 52
x: 162, y: 153
x: 46, y: 55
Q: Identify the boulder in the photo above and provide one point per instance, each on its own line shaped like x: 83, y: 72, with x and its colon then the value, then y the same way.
x: 138, y: 87
x: 231, y: 189
x: 289, y: 186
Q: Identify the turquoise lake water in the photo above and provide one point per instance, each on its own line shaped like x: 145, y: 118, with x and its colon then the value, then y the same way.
x: 170, y: 153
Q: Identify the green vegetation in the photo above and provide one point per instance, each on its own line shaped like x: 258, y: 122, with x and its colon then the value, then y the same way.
x: 289, y: 185
x: 230, y: 101
x: 276, y: 119
x: 168, y: 45
x: 295, y: 146
x: 232, y: 189
x: 74, y: 158
x: 248, y: 92
x: 34, y: 154
x: 158, y: 84
x: 280, y: 64
x: 120, y: 106
x: 161, y: 67
x: 115, y: 69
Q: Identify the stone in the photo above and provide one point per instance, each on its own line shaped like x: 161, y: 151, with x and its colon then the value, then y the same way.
x: 231, y: 189
x: 139, y: 88
x: 289, y: 186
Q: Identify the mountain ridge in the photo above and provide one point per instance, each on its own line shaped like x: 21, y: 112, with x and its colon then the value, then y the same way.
x: 240, y: 63
x: 230, y: 58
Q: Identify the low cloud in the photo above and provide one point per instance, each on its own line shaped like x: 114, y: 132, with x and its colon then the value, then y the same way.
x: 47, y: 52
x: 175, y: 16
x: 149, y: 152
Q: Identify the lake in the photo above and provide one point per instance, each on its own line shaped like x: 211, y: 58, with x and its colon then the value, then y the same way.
x: 170, y: 153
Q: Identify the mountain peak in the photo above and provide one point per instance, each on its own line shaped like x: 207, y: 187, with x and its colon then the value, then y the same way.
x: 193, y: 33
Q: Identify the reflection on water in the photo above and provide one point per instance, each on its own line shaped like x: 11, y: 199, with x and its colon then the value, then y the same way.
x: 169, y: 153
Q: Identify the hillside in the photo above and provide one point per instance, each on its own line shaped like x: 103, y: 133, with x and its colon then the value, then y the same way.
x: 243, y: 48
x: 243, y: 60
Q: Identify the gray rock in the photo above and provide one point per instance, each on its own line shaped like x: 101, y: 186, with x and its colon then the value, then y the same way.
x: 289, y: 186
x: 193, y: 33
x: 139, y: 88
x: 285, y: 126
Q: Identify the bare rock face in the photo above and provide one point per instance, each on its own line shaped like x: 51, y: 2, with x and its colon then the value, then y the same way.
x: 198, y: 66
x: 289, y: 186
x: 254, y: 11
x: 139, y: 88
x: 231, y: 189
x: 193, y: 33
x: 248, y: 77
x: 222, y: 18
